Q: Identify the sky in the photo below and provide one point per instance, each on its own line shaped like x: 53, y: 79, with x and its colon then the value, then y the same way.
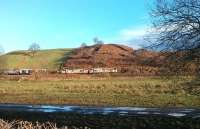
x: 69, y: 23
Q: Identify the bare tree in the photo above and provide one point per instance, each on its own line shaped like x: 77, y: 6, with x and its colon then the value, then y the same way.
x: 1, y: 50
x: 98, y: 41
x: 177, y: 25
x: 83, y: 45
x: 34, y: 47
x: 3, y: 60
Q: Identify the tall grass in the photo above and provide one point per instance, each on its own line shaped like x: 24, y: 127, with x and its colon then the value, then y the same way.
x: 28, y: 125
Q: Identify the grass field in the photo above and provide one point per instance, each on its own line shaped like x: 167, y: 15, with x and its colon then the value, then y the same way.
x: 129, y: 91
x: 47, y: 59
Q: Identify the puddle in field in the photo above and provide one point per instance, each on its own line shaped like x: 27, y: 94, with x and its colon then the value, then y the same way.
x: 177, y: 114
x: 173, y: 112
x: 112, y: 117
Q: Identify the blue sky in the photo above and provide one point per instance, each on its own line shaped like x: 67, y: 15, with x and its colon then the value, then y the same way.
x: 68, y: 23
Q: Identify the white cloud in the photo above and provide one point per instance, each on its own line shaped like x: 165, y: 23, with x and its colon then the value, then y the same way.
x: 133, y: 37
x: 127, y: 34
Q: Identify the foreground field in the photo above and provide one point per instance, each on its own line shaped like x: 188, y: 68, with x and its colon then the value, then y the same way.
x: 136, y: 91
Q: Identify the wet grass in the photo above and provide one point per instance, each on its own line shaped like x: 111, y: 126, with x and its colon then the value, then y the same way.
x: 130, y: 91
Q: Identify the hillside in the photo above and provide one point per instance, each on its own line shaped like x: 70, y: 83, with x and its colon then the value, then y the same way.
x: 107, y: 55
x: 48, y: 59
x: 126, y: 59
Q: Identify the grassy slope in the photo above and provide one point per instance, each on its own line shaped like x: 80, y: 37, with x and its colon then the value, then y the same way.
x: 132, y: 91
x: 49, y: 59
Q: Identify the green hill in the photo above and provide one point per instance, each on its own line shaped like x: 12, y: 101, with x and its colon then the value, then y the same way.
x: 43, y: 59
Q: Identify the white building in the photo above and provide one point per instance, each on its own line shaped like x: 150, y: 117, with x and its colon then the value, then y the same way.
x: 90, y: 70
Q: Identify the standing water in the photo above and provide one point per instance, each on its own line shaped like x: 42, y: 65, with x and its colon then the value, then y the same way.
x: 105, y: 117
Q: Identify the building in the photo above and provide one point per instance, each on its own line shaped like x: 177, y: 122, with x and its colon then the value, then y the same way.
x: 89, y: 70
x: 12, y: 72
x: 25, y: 71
